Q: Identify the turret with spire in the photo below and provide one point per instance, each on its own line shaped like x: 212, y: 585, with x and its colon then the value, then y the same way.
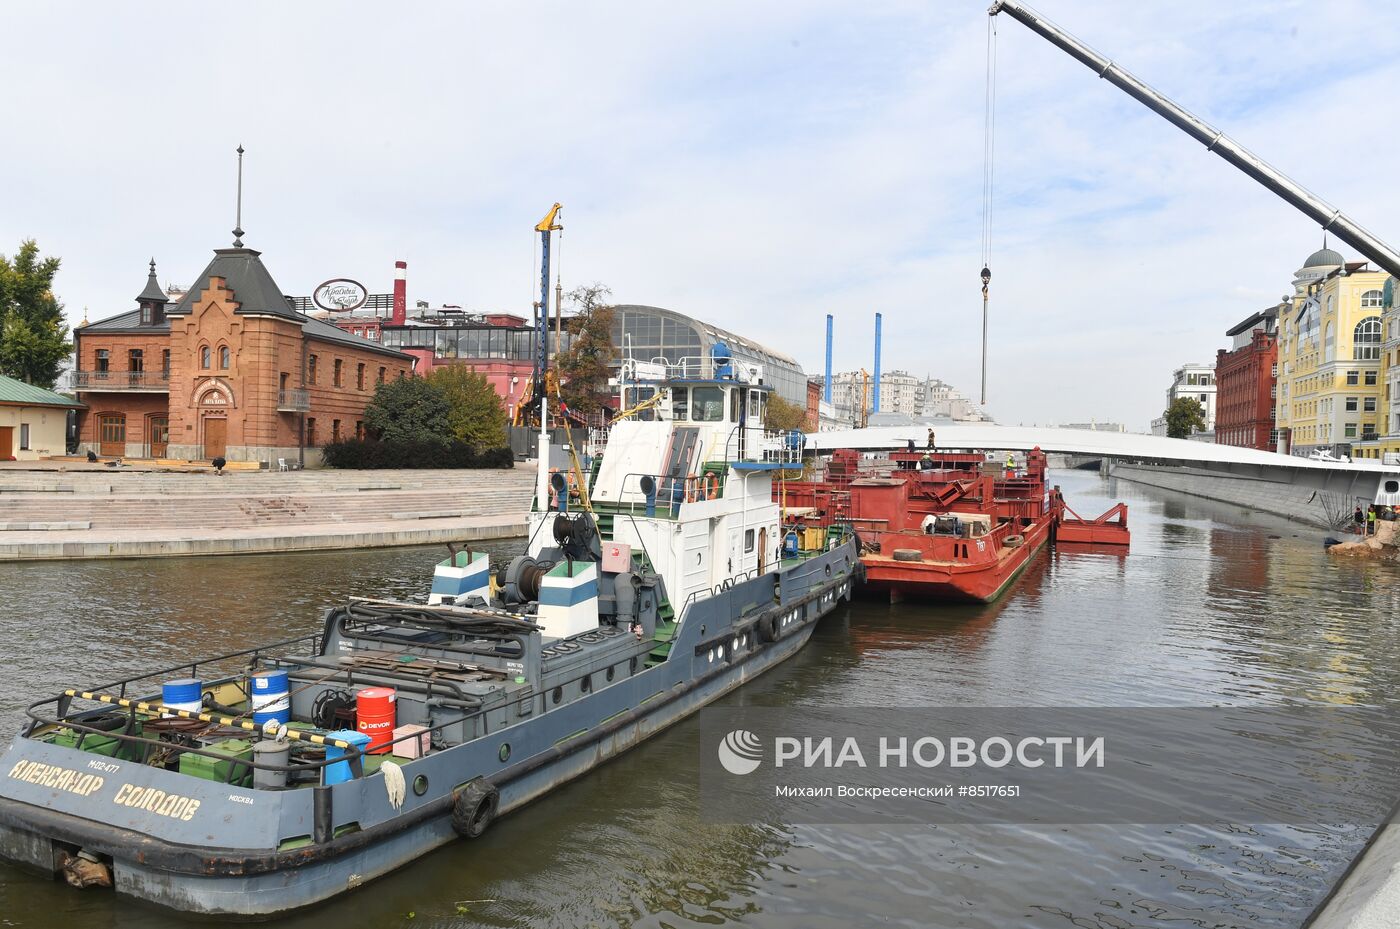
x: 152, y: 300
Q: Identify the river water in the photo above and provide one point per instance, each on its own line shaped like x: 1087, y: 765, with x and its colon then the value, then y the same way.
x: 1214, y: 605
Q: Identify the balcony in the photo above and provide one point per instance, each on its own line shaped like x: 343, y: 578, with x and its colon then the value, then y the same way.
x: 296, y: 400
x: 122, y: 380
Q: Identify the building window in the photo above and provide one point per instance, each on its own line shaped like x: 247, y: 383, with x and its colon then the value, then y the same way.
x: 311, y: 369
x: 381, y: 376
x: 1371, y: 299
x: 135, y: 360
x: 165, y: 362
x: 1349, y: 430
x: 335, y: 372
x: 1368, y: 405
x: 359, y: 428
x: 1351, y: 405
x: 1366, y: 340
x: 311, y: 431
x: 224, y: 357
x: 1370, y: 378
x: 335, y: 430
x: 24, y: 437
x: 145, y: 314
x: 359, y: 377
x: 104, y: 361
x: 205, y: 359
x: 1353, y: 378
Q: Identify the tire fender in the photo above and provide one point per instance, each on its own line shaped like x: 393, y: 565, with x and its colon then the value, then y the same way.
x: 474, y: 807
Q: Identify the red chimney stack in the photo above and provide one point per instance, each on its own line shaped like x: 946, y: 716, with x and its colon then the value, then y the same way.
x: 400, y: 293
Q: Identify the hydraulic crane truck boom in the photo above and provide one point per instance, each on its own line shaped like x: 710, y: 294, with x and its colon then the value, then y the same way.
x: 1330, y: 218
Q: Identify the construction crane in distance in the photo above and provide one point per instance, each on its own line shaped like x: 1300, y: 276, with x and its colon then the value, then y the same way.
x: 1330, y: 218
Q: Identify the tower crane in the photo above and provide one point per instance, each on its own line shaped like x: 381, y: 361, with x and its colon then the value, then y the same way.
x: 1329, y: 217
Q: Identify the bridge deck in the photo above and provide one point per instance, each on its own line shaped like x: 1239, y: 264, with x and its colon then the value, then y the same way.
x: 989, y: 437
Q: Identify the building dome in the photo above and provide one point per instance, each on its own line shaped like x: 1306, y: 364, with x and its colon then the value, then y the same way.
x: 1323, y: 258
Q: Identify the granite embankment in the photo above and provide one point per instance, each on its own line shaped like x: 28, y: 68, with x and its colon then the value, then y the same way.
x: 54, y: 514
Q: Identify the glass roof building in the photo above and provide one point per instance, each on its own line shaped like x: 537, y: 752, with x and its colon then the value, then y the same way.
x: 650, y: 332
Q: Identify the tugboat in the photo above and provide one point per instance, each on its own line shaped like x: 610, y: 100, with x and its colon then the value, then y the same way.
x: 258, y: 782
x: 943, y: 525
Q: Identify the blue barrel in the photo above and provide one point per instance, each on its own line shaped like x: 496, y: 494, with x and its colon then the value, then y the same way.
x: 270, y: 697
x: 791, y: 545
x: 339, y: 772
x: 183, y: 694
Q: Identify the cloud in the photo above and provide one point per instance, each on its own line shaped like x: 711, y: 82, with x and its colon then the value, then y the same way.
x: 757, y: 165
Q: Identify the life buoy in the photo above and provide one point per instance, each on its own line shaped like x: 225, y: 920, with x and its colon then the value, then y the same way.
x: 692, y: 488
x: 711, y: 485
x: 474, y: 808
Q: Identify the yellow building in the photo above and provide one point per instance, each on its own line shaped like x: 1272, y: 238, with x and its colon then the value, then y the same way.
x: 33, y: 421
x: 1329, y: 394
x: 1389, y: 441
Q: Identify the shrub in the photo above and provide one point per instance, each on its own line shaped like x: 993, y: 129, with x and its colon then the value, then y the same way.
x: 371, y: 454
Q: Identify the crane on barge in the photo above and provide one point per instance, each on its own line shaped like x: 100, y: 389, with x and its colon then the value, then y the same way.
x: 1329, y: 217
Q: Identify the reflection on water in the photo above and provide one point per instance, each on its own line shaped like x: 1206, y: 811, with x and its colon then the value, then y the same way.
x: 1214, y: 605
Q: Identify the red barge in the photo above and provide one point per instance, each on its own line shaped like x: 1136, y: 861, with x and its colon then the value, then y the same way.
x: 944, y: 525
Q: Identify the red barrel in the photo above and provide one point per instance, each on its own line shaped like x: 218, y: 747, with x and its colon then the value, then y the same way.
x: 375, y: 712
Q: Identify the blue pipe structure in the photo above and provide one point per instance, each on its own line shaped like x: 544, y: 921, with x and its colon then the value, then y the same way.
x: 875, y: 393
x: 826, y: 393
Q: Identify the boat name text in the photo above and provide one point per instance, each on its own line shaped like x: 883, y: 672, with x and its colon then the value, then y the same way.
x: 56, y: 777
x: 157, y: 801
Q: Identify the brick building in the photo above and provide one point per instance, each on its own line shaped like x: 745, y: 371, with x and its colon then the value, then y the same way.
x: 1246, y: 378
x: 230, y: 369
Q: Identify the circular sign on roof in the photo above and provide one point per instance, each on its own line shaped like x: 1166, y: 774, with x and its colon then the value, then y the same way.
x: 340, y: 295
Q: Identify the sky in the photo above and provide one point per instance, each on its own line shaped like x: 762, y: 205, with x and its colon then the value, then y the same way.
x: 756, y: 165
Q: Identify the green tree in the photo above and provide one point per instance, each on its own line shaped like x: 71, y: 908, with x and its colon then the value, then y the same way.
x: 782, y: 415
x: 33, y: 336
x: 1184, y: 417
x: 585, y: 368
x: 476, y: 415
x: 410, y: 409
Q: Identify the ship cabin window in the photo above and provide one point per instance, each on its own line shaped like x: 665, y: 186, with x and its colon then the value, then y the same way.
x: 707, y: 404
x: 680, y: 404
x: 748, y: 541
x: 736, y: 406
x: 756, y: 406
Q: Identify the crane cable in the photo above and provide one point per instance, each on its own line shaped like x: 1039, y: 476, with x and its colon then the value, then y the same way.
x: 989, y: 135
x: 989, y: 132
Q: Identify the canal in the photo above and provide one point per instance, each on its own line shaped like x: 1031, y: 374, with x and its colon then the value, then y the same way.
x: 1215, y: 605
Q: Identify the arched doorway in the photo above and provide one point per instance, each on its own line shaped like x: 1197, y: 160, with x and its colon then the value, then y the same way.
x: 762, y: 549
x: 111, y: 434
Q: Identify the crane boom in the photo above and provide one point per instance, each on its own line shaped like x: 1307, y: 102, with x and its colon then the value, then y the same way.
x: 1329, y: 217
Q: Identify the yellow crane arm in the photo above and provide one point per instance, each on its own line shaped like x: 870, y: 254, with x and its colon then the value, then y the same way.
x: 547, y: 224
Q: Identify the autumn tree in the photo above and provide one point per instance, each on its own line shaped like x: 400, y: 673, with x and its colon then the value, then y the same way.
x: 783, y: 415
x: 33, y: 336
x: 585, y: 367
x: 1184, y: 417
x: 475, y: 413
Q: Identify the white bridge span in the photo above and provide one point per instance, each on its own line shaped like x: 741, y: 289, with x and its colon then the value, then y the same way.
x: 1116, y: 445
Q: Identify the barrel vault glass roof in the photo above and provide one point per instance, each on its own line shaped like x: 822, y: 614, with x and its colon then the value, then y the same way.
x: 649, y: 332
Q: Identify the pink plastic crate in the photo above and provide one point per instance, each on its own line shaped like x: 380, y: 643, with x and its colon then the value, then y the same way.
x: 411, y: 748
